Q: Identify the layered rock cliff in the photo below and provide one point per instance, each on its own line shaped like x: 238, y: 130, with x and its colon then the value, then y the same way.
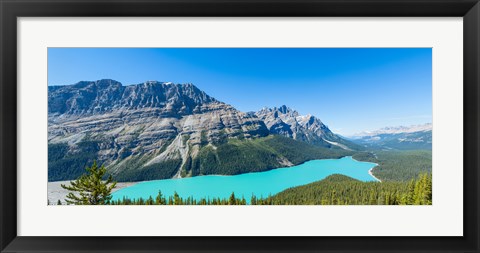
x: 155, y: 130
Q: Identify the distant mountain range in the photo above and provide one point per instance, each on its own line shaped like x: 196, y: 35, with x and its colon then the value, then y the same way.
x: 157, y: 130
x: 401, y: 138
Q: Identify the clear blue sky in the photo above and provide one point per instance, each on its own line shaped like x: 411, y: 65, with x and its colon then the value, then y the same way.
x: 350, y: 90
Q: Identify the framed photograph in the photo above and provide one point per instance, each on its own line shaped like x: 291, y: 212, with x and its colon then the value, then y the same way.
x: 177, y: 126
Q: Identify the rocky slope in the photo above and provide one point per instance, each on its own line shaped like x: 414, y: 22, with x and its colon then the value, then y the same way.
x: 307, y: 128
x: 157, y: 130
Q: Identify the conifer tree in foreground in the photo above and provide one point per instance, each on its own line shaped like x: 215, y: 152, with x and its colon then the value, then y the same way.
x: 90, y: 187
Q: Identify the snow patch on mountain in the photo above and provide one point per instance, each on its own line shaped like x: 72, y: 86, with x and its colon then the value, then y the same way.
x: 338, y: 145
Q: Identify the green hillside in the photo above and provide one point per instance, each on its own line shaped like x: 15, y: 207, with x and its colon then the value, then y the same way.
x: 343, y: 190
x: 64, y: 165
x: 398, y: 165
x: 231, y: 157
x: 242, y: 156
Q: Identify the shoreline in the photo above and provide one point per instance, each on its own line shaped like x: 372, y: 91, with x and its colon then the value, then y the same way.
x: 370, y: 172
x: 252, y: 172
x: 55, y: 192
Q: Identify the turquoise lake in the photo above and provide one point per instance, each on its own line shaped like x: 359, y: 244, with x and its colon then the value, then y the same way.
x: 258, y: 183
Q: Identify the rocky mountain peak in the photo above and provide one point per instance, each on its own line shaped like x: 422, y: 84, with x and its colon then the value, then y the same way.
x: 283, y: 109
x: 275, y: 112
x: 310, y: 121
x: 287, y: 122
x: 286, y: 110
x: 94, y: 97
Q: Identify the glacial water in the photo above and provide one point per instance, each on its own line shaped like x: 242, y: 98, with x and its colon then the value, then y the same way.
x: 258, y: 183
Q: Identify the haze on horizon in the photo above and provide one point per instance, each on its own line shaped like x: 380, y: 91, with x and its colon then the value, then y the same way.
x: 350, y: 89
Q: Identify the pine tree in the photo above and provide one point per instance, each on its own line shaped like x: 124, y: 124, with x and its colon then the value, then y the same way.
x: 90, y: 187
x: 149, y: 201
x: 160, y: 200
x: 411, y: 192
x: 176, y: 199
x: 59, y: 203
x: 334, y: 200
x: 231, y: 200
x: 428, y: 189
x: 253, y: 200
x: 372, y: 200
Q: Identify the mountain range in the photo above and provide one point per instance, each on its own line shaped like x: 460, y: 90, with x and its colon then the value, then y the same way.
x: 156, y: 130
x: 399, y: 138
x: 307, y: 128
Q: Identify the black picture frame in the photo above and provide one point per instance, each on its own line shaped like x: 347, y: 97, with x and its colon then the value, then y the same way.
x: 10, y: 10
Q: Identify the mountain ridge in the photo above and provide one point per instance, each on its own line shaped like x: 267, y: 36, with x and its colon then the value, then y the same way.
x: 90, y: 97
x: 156, y: 130
x: 400, y: 137
x: 396, y: 130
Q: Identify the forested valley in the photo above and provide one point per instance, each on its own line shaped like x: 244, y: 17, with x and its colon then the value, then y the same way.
x: 406, y: 179
x: 334, y: 190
